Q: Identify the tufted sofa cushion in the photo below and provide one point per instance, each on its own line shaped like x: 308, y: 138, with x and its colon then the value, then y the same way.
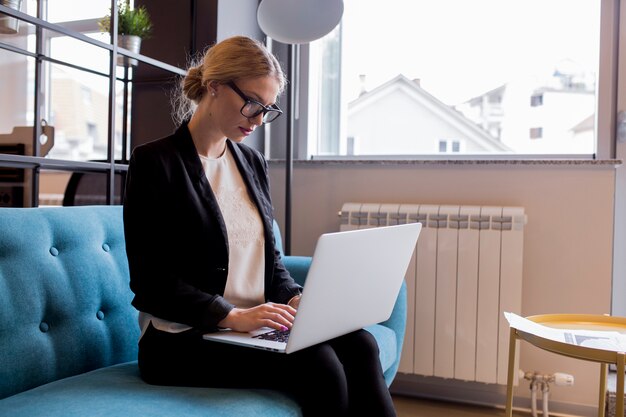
x: 64, y: 297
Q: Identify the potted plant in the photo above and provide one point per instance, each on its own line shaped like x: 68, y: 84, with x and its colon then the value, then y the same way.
x: 9, y: 24
x: 133, y: 25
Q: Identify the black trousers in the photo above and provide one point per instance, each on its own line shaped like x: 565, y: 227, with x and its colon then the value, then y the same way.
x: 341, y: 377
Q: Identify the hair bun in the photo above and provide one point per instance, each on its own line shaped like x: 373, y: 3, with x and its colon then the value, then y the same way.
x: 192, y: 84
x: 195, y: 72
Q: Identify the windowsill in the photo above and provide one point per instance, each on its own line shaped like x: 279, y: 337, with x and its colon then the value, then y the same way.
x: 459, y: 162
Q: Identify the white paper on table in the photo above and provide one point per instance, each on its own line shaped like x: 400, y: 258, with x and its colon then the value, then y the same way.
x: 606, y: 340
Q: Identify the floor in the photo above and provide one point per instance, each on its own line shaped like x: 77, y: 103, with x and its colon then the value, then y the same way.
x: 414, y: 407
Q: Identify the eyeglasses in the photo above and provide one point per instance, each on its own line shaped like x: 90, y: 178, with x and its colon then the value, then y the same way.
x: 253, y: 108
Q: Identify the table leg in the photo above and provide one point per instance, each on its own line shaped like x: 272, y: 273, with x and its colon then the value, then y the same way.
x: 511, y: 373
x: 619, y: 392
x: 602, y: 402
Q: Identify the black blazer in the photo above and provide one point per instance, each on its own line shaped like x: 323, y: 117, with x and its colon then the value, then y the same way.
x: 176, y: 239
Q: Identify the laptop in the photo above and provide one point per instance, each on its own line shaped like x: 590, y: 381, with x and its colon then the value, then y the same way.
x: 353, y: 282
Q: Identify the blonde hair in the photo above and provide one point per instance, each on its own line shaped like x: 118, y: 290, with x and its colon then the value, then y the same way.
x: 231, y: 59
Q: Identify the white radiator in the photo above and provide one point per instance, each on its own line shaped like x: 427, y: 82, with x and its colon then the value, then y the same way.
x: 466, y: 271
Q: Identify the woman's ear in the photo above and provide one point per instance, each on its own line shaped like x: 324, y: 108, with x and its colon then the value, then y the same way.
x: 212, y: 87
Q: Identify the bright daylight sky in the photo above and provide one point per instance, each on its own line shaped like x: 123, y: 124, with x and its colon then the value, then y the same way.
x: 463, y: 48
x: 75, y: 51
x: 458, y: 48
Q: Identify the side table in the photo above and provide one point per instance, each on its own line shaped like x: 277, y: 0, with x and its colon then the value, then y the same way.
x: 602, y: 356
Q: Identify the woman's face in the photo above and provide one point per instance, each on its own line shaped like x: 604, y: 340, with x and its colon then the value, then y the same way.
x: 232, y: 123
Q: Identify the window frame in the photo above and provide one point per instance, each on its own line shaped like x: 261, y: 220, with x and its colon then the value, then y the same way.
x: 606, y: 106
x: 41, y: 54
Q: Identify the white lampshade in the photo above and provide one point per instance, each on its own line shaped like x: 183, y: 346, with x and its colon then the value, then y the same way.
x: 298, y: 21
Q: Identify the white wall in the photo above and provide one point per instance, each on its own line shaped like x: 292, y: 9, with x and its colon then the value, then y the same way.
x: 567, y: 241
x: 237, y: 17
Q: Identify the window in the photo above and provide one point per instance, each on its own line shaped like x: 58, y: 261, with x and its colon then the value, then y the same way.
x: 536, y: 100
x: 453, y: 146
x: 67, y: 62
x: 536, y: 133
x: 456, y: 68
x: 87, y: 95
x: 73, y: 83
x: 351, y: 145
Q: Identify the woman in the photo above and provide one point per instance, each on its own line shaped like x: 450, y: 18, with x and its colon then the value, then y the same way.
x: 198, y: 224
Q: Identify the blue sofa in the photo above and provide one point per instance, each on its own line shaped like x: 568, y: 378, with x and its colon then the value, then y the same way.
x: 68, y: 333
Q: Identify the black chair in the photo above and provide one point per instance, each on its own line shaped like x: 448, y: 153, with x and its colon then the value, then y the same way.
x: 90, y: 188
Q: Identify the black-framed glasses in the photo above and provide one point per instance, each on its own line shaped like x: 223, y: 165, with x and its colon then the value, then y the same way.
x: 253, y: 108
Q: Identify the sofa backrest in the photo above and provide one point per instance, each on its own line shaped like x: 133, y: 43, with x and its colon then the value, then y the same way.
x: 64, y: 294
x: 278, y: 237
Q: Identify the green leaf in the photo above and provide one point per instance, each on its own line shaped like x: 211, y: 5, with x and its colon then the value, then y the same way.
x: 130, y: 21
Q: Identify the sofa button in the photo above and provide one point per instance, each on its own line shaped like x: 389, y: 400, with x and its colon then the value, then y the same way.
x: 100, y: 315
x: 106, y: 247
x: 54, y: 251
x: 43, y: 326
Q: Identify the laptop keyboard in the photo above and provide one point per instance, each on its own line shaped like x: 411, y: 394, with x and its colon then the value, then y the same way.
x: 275, y: 336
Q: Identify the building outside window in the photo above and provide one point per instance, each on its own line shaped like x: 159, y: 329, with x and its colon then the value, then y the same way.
x: 430, y: 70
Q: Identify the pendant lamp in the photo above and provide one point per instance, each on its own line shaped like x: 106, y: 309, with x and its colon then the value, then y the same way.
x: 298, y: 21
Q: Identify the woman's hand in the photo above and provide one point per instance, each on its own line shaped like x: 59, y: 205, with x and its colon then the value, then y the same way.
x: 273, y: 315
x: 295, y: 301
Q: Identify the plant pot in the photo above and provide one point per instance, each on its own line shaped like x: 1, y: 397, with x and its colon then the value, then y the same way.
x: 133, y: 44
x: 8, y: 24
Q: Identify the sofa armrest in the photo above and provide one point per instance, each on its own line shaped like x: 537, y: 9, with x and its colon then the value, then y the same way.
x: 397, y: 323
